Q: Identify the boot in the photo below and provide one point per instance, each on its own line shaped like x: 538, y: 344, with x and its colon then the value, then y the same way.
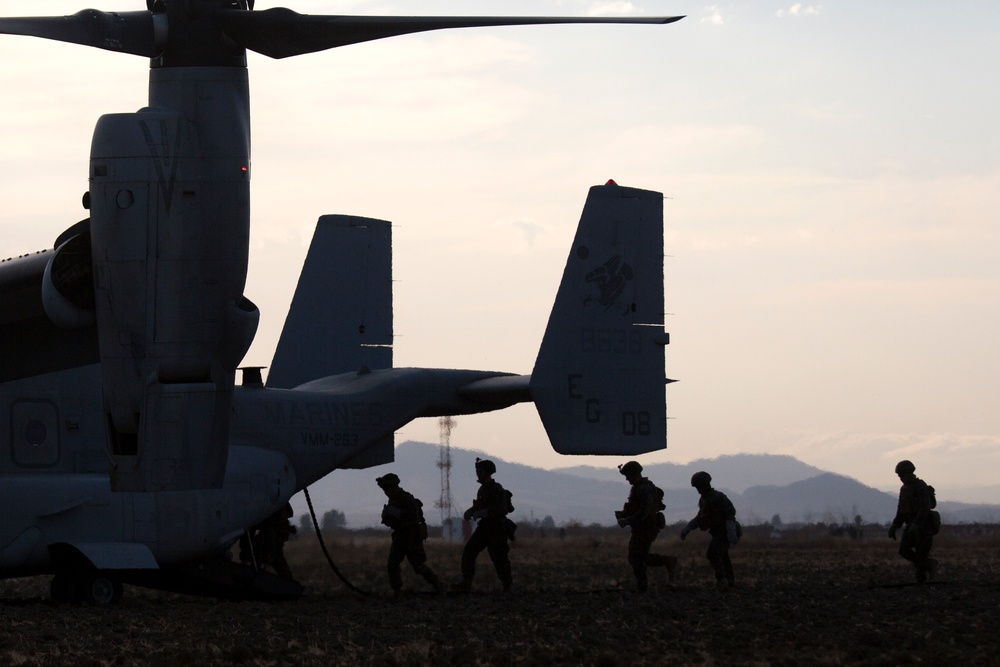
x: 433, y: 580
x: 463, y: 586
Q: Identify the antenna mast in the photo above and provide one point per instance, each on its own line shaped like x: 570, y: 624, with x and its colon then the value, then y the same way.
x: 444, y: 463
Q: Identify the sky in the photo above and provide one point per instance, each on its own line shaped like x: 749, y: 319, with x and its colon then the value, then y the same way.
x: 832, y: 221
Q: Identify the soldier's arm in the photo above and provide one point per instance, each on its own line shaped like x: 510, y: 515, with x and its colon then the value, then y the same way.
x: 632, y: 512
x: 904, y: 508
x: 480, y: 506
x: 900, y: 517
x: 472, y: 510
x: 389, y: 515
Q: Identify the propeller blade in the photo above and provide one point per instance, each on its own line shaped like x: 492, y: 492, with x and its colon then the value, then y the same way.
x: 125, y: 32
x: 280, y: 32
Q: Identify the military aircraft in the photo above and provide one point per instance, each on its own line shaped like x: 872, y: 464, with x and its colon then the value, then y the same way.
x: 132, y: 455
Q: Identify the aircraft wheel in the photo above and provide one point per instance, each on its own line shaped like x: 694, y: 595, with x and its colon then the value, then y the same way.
x: 100, y: 588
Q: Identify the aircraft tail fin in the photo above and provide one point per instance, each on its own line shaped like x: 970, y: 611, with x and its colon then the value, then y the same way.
x: 340, y: 319
x: 598, y: 382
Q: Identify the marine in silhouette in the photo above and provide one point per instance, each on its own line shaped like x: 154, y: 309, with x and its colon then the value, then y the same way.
x: 272, y: 534
x: 914, y: 513
x: 494, y: 530
x: 643, y: 512
x: 404, y: 514
x: 717, y: 515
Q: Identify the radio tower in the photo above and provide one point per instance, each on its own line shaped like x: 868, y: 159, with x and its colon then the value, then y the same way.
x: 444, y: 463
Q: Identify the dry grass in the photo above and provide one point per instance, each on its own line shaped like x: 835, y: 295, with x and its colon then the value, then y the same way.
x: 804, y: 599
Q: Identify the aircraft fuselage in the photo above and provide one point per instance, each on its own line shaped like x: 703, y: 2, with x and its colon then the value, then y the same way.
x: 55, y: 483
x: 55, y: 487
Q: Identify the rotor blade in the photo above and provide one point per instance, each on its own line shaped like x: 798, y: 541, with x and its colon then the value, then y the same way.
x: 126, y: 32
x: 281, y: 32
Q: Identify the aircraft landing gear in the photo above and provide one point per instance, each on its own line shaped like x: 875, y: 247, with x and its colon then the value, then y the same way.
x: 95, y: 587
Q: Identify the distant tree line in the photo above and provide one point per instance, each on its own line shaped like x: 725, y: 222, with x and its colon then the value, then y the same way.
x: 331, y: 521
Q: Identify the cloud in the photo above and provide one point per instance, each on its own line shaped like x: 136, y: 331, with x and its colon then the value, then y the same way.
x: 446, y: 85
x: 712, y: 15
x: 689, y: 143
x: 527, y: 231
x: 798, y: 9
x: 613, y: 8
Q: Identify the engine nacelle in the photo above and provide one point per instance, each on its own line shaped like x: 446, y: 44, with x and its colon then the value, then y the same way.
x: 170, y: 240
x: 68, y: 282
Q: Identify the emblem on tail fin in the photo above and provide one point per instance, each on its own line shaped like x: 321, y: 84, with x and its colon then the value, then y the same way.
x: 610, y: 279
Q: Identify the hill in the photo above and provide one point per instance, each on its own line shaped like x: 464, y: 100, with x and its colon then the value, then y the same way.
x: 760, y: 485
x: 826, y: 498
x: 736, y: 472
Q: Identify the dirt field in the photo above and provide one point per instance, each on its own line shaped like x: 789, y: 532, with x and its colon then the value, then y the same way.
x: 801, y: 600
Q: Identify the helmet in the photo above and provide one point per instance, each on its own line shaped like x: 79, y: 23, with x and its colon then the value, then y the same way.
x: 487, y: 465
x: 700, y: 479
x: 388, y: 481
x: 905, y: 468
x: 630, y: 468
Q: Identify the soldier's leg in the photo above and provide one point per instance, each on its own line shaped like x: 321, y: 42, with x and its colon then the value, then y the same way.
x: 931, y: 563
x: 281, y: 565
x: 638, y: 550
x: 397, y: 551
x: 429, y: 575
x: 418, y: 559
x: 921, y: 552
x: 661, y: 560
x: 651, y: 559
x: 266, y: 543
x: 727, y: 564
x: 499, y: 551
x: 906, y: 546
x: 247, y: 552
x: 477, y: 542
x: 718, y: 550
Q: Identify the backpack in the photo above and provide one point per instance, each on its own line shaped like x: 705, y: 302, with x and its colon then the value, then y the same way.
x: 659, y: 498
x: 510, y: 499
x: 933, y: 517
x: 660, y: 505
x: 509, y: 527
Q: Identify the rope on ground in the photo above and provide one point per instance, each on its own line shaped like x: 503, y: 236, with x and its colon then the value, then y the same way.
x: 322, y: 544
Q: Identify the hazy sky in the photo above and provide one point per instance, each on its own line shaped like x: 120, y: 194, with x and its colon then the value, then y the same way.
x: 832, y: 232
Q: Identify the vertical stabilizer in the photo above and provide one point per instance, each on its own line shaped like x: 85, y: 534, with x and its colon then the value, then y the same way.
x: 598, y: 382
x: 340, y: 319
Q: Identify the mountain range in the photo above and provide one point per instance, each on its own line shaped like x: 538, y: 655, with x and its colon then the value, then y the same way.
x: 760, y: 485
